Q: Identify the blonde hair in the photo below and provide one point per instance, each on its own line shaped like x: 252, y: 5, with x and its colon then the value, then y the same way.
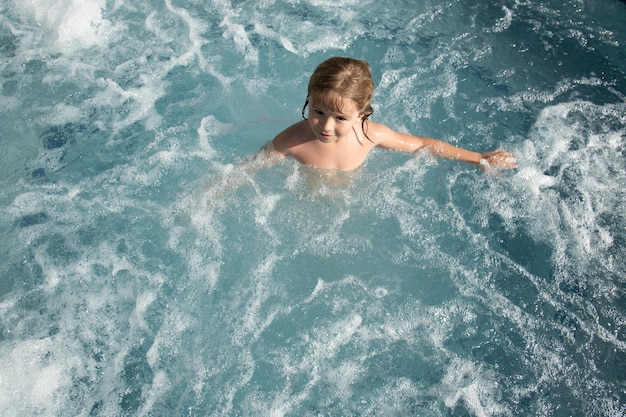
x: 346, y: 77
x: 338, y: 78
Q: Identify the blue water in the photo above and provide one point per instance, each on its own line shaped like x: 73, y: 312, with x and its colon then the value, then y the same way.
x: 144, y: 272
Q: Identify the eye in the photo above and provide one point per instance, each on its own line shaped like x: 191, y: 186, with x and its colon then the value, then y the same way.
x: 318, y: 112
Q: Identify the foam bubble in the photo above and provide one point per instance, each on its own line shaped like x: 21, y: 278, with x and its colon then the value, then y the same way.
x: 82, y: 25
x: 536, y: 180
x: 210, y: 127
x: 504, y: 22
x: 139, y: 102
x: 465, y: 382
x: 264, y: 208
x: 401, y: 396
x: 76, y: 24
x: 47, y: 382
x: 256, y: 318
x: 136, y: 301
x: 159, y: 386
x: 31, y: 374
x: 239, y: 36
x: 196, y: 26
x: 144, y: 301
x: 271, y: 34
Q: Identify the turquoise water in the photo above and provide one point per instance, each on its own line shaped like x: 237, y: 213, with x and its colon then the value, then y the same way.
x: 143, y: 272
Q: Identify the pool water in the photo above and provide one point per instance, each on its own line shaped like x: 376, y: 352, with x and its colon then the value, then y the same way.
x: 146, y: 270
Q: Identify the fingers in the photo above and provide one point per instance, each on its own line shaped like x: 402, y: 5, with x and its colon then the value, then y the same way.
x: 498, y: 159
x: 495, y: 160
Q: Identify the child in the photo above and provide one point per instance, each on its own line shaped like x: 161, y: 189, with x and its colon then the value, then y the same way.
x: 338, y: 134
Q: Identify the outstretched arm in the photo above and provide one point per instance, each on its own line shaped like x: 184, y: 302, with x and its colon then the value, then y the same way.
x: 484, y: 160
x: 390, y: 139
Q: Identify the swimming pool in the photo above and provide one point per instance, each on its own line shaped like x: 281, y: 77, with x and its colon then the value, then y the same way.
x: 143, y: 272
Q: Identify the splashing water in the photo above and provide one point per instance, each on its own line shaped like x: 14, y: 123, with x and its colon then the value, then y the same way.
x: 144, y: 272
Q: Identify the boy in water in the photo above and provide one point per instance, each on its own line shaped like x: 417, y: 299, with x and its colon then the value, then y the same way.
x: 338, y: 134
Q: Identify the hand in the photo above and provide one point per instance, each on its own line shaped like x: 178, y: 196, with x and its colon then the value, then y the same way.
x: 497, y: 159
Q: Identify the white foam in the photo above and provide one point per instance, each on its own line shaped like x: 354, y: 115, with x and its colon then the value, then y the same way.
x: 381, y: 292
x: 318, y: 365
x: 256, y: 316
x: 271, y: 34
x: 167, y: 341
x: 63, y: 113
x: 238, y: 34
x: 76, y: 24
x: 139, y: 101
x: 30, y: 376
x: 535, y: 180
x: 48, y: 380
x: 263, y: 209
x: 82, y: 25
x: 210, y: 128
x: 154, y: 393
x: 332, y: 4
x: 504, y: 22
x: 466, y: 382
x: 144, y: 300
x: 571, y: 179
x: 196, y: 27
x: 518, y: 102
x: 395, y: 398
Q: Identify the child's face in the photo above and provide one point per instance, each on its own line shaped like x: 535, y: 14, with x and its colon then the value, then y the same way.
x: 332, y: 120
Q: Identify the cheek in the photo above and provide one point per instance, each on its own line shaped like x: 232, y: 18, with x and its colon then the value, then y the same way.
x: 312, y: 122
x: 345, y: 126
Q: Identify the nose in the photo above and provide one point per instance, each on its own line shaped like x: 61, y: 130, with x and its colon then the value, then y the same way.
x: 327, y: 124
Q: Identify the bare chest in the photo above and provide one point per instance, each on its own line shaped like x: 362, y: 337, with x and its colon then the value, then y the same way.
x: 345, y: 155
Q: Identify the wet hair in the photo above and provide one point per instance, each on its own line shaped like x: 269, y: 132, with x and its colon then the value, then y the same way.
x: 340, y: 77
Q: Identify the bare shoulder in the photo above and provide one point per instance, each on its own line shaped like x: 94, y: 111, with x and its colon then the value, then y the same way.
x: 385, y: 137
x: 290, y: 137
x: 378, y: 132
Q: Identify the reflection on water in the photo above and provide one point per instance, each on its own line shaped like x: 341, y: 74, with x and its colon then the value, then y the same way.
x: 148, y: 268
